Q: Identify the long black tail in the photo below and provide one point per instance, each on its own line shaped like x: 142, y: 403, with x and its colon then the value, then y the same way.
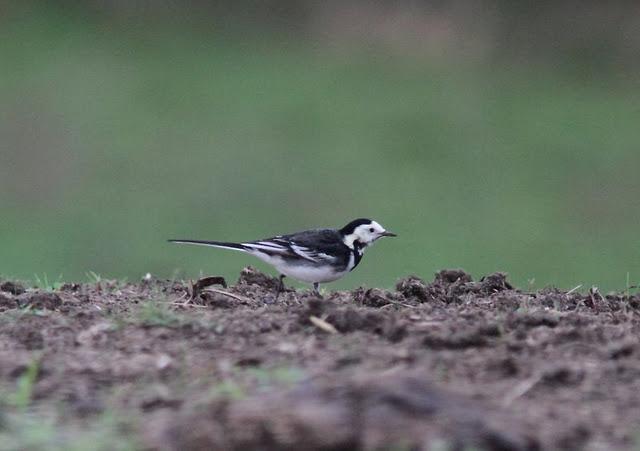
x: 220, y: 244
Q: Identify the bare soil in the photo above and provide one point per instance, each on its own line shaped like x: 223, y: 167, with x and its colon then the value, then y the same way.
x: 450, y: 364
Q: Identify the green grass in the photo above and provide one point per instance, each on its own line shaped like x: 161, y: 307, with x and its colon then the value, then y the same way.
x: 94, y: 277
x: 117, y: 138
x: 21, y: 398
x: 43, y: 282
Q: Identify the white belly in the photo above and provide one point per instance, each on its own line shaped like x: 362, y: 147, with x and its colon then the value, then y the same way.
x: 309, y: 274
x: 303, y: 273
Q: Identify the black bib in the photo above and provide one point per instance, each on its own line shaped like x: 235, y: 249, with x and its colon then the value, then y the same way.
x: 358, y: 250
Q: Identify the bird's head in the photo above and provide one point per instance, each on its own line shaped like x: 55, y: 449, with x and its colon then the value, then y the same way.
x: 363, y: 232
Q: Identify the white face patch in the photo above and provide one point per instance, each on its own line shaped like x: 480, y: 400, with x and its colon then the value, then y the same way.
x: 365, y: 234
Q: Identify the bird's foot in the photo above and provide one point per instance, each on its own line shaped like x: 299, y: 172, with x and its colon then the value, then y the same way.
x: 316, y: 291
x: 280, y: 288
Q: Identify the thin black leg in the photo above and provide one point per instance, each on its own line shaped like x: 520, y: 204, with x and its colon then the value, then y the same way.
x: 280, y: 286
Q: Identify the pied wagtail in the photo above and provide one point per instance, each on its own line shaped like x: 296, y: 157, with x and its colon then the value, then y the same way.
x: 313, y: 256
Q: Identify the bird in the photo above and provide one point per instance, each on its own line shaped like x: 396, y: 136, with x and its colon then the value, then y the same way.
x: 313, y: 256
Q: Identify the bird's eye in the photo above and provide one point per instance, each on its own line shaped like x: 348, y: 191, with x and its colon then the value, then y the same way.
x: 371, y: 229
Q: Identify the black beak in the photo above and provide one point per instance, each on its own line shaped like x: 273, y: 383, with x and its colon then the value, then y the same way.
x: 386, y: 233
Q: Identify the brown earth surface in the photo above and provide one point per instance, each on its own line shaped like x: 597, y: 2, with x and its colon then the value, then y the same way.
x: 451, y: 364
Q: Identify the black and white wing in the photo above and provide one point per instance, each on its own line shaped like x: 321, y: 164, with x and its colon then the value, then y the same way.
x: 314, y: 246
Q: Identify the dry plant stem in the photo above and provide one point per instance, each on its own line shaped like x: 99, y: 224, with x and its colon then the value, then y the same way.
x: 201, y: 284
x: 226, y: 293
x: 521, y: 389
x: 322, y: 325
x: 574, y: 289
x: 401, y: 304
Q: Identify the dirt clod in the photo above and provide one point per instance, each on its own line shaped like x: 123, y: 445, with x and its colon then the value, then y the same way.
x: 373, y: 297
x: 452, y: 364
x: 470, y: 338
x: 533, y: 319
x: 40, y: 300
x: 251, y: 276
x: 622, y: 350
x: 201, y: 284
x: 349, y: 319
x: 14, y: 288
x: 413, y: 287
x: 7, y: 302
x: 72, y: 287
x: 371, y: 413
x: 494, y: 283
x: 450, y: 276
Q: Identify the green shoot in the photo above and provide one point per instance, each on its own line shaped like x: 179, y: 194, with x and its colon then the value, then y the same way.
x: 21, y: 398
x: 44, y: 284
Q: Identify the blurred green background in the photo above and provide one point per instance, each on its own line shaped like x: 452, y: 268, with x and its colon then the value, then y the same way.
x: 488, y: 135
